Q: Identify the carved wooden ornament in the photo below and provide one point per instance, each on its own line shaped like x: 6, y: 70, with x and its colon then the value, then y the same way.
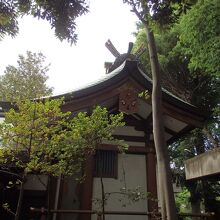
x: 128, y: 101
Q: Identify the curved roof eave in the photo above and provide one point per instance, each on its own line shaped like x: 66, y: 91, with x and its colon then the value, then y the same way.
x: 167, y: 96
x: 103, y: 82
x: 130, y: 68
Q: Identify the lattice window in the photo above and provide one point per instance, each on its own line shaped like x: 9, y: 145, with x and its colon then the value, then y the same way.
x: 105, y: 164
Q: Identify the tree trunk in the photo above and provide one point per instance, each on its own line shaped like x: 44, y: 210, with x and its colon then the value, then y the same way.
x: 48, y: 197
x: 103, y: 198
x: 195, y: 199
x: 195, y: 207
x: 165, y: 179
x: 210, y: 137
x: 20, y: 199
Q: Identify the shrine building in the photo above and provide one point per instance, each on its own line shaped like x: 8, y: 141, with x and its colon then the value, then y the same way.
x: 119, y: 91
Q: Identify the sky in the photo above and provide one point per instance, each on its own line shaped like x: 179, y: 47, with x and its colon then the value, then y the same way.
x: 76, y: 65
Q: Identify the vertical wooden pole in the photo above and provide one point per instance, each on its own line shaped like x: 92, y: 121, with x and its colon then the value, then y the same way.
x: 151, y: 169
x: 87, y: 188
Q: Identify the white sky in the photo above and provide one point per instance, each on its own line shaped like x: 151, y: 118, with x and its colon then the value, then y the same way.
x: 76, y: 65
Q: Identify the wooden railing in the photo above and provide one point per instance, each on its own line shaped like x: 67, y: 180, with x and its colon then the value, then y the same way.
x: 156, y: 216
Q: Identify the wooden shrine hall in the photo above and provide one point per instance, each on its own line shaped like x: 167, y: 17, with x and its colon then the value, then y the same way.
x: 119, y: 91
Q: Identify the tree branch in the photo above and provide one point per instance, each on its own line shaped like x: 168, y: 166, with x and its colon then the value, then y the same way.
x: 134, y: 9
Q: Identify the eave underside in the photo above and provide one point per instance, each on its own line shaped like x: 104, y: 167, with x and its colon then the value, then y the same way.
x: 177, y: 122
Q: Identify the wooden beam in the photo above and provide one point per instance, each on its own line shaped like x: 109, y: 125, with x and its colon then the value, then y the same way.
x: 166, y: 129
x: 95, y: 98
x: 113, y: 110
x: 183, y: 116
x: 130, y: 138
x: 207, y: 162
x: 170, y: 131
x: 183, y: 132
x: 149, y: 119
x: 135, y: 123
x: 138, y: 116
x: 87, y: 187
x: 130, y: 150
x: 132, y: 121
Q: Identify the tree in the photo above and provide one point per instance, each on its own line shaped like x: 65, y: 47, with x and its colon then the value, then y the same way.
x: 200, y: 36
x: 201, y: 191
x: 60, y: 14
x: 28, y: 80
x: 195, y: 85
x: 38, y: 137
x: 142, y: 9
x: 175, y: 73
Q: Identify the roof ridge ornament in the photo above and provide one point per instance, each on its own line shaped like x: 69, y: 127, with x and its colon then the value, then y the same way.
x: 120, y: 58
x: 112, y: 48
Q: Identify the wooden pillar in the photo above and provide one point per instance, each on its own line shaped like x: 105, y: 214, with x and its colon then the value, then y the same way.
x: 151, y: 169
x: 87, y: 188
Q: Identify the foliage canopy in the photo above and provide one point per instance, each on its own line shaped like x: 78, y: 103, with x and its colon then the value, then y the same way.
x: 27, y: 80
x: 200, y: 36
x: 38, y: 137
x: 61, y: 14
x: 188, y: 53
